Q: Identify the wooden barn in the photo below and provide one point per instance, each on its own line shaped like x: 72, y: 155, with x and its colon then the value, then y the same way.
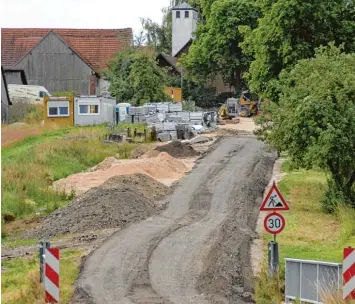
x: 63, y: 59
x: 5, y: 99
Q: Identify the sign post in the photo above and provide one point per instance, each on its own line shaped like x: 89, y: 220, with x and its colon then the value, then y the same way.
x: 43, y: 245
x: 274, y: 223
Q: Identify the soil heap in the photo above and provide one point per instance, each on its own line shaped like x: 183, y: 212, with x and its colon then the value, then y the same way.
x: 178, y: 149
x: 119, y: 201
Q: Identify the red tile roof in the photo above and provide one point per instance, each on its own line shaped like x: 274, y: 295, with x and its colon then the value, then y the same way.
x: 95, y: 46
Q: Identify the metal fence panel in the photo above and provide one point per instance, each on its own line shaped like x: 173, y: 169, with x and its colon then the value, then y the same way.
x: 304, y: 279
x: 292, y: 276
x: 309, y: 281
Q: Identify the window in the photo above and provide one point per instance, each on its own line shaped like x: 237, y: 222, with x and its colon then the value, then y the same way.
x: 53, y: 111
x: 59, y: 108
x: 177, y: 14
x: 186, y: 14
x: 194, y: 14
x: 63, y: 111
x: 86, y: 109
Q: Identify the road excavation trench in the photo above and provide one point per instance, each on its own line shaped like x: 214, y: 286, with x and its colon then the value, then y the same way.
x: 197, y: 250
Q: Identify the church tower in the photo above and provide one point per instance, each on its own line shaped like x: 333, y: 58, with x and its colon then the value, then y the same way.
x: 184, y: 21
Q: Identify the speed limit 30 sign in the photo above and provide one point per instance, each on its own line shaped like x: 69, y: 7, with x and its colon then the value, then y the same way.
x: 274, y: 223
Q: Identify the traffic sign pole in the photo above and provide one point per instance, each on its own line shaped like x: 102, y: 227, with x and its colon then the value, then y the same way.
x: 274, y: 223
x: 273, y: 257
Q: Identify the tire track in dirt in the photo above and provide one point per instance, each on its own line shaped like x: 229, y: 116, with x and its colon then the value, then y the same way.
x: 162, y: 259
x: 183, y: 252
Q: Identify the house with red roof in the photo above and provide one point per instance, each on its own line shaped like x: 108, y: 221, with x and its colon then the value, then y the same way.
x: 63, y: 59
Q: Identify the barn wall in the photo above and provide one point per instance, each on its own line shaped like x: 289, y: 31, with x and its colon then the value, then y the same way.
x: 4, y: 102
x: 52, y: 64
x: 13, y: 77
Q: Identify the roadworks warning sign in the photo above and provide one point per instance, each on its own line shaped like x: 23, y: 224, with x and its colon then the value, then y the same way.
x: 274, y: 201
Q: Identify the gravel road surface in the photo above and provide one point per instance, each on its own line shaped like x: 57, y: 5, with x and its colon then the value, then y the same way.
x: 197, y: 250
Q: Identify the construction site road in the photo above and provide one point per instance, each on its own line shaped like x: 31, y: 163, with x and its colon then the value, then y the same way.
x: 198, y: 249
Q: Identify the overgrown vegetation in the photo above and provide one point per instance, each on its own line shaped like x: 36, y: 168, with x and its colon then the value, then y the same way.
x: 314, y: 120
x: 35, y: 116
x: 309, y: 233
x: 20, y: 279
x: 27, y: 188
x: 64, y: 93
x: 19, y: 110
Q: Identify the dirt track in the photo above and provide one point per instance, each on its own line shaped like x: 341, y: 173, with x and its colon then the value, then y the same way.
x: 197, y: 251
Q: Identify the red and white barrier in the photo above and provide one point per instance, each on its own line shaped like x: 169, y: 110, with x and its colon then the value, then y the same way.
x: 349, y: 274
x: 51, y: 275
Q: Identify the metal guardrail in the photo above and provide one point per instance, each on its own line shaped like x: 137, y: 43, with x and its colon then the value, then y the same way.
x: 305, y: 278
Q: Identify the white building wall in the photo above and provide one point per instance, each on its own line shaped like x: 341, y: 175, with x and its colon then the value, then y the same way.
x: 182, y: 28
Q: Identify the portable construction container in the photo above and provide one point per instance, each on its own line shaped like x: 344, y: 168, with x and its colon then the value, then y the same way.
x: 94, y: 110
x: 122, y: 110
x: 58, y: 111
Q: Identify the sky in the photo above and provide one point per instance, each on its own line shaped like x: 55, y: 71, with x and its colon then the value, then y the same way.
x: 80, y: 13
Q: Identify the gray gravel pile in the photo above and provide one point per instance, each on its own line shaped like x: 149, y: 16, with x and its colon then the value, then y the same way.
x: 119, y: 201
x: 178, y: 149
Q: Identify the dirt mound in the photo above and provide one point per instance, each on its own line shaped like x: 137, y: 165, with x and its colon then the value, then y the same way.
x: 137, y: 153
x: 144, y: 152
x: 178, y: 149
x: 163, y: 168
x: 119, y: 201
x: 150, y: 154
x: 104, y: 165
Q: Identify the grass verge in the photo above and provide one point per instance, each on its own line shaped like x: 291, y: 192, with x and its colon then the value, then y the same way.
x: 310, y: 233
x: 29, y: 167
x: 20, y: 279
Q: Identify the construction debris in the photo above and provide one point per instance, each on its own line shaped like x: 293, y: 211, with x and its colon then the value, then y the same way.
x: 167, y: 118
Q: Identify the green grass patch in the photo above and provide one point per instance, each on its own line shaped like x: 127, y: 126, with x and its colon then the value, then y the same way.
x: 18, y: 149
x: 20, y: 280
x: 309, y: 233
x: 17, y: 242
x: 30, y: 167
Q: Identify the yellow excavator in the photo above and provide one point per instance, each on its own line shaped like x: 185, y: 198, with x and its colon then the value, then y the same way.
x: 249, y: 104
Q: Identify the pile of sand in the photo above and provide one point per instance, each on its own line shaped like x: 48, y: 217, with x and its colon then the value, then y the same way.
x: 163, y: 168
x: 119, y: 201
x: 178, y: 149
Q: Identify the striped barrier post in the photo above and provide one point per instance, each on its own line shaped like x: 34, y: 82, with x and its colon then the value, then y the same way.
x: 51, y: 275
x: 349, y: 274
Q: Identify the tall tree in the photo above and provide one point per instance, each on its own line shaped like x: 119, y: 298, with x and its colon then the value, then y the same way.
x: 290, y: 30
x: 216, y: 47
x: 135, y: 77
x: 314, y: 121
